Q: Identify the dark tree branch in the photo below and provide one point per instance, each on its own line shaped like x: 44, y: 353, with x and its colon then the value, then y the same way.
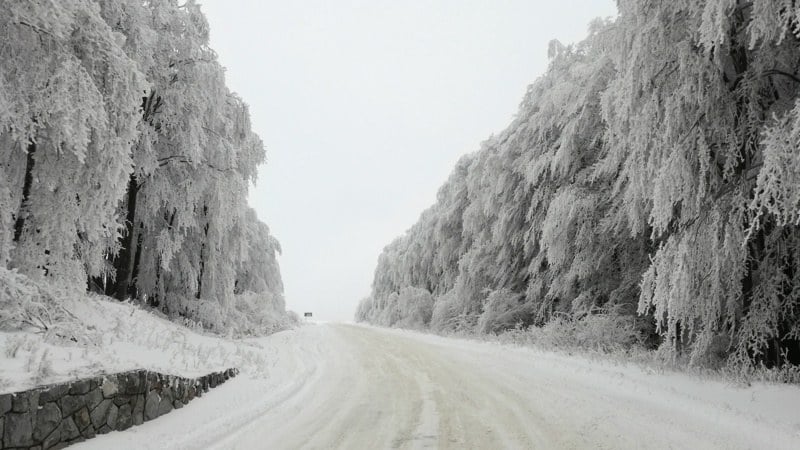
x: 791, y: 76
x: 35, y: 28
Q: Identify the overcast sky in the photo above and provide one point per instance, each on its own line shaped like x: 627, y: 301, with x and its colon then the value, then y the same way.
x: 365, y: 106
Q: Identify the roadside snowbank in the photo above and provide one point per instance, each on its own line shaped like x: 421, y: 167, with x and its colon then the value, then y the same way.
x: 113, y: 337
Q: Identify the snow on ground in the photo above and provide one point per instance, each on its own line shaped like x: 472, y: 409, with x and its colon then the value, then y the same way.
x: 346, y: 386
x: 119, y: 337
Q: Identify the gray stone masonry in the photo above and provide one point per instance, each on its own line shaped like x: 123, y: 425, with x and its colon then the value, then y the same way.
x: 58, y: 415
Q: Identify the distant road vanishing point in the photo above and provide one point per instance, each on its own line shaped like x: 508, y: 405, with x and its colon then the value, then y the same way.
x: 358, y: 387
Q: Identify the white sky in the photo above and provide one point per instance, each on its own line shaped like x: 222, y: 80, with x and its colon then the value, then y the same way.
x: 365, y: 106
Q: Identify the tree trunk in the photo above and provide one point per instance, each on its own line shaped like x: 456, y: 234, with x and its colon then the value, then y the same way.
x: 137, y: 257
x: 202, y: 256
x: 127, y: 262
x: 129, y: 244
x: 19, y: 224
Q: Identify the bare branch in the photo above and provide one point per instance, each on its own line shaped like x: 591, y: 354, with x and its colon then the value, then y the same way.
x: 35, y: 28
x: 791, y: 76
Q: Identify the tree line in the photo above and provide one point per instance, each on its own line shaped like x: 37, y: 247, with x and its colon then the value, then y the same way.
x: 651, y: 174
x: 125, y: 161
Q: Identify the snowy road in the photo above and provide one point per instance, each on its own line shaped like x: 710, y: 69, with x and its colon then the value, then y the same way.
x: 353, y: 387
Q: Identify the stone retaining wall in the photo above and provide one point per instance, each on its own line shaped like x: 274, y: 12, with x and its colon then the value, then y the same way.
x: 57, y: 415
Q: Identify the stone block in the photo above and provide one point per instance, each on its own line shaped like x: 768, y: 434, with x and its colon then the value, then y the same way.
x: 110, y: 386
x: 180, y: 390
x: 111, y: 420
x: 120, y: 400
x: 25, y: 401
x: 151, y: 405
x: 48, y: 418
x: 82, y: 418
x: 18, y: 430
x: 167, y: 394
x: 124, y: 417
x: 69, y: 430
x: 104, y: 429
x: 79, y: 387
x: 88, y: 433
x: 53, y: 439
x: 152, y: 379
x: 134, y: 382
x: 138, y: 410
x: 164, y: 406
x: 100, y: 413
x: 5, y: 403
x: 71, y: 403
x: 93, y: 398
x: 52, y: 393
x: 177, y: 404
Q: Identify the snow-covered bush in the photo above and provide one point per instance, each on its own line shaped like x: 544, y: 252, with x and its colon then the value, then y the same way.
x: 606, y: 332
x: 410, y: 308
x: 364, y: 310
x: 259, y: 315
x: 559, y: 332
x: 36, y: 306
x: 250, y: 314
x: 603, y: 332
x: 446, y: 312
x: 390, y: 314
x: 502, y: 310
x: 415, y: 307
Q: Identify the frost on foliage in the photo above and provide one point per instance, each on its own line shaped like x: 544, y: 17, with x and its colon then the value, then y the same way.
x: 694, y: 282
x: 652, y: 170
x: 27, y: 305
x: 774, y: 309
x: 415, y: 307
x: 777, y: 192
x: 126, y: 160
x: 503, y: 310
x: 71, y: 101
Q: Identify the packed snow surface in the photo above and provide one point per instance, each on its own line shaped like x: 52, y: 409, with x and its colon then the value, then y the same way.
x: 350, y: 386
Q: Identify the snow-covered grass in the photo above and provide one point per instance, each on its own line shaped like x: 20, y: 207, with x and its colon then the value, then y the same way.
x: 613, y: 338
x: 48, y: 336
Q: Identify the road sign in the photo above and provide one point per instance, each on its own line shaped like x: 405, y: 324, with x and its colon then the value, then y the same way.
x: 308, y: 314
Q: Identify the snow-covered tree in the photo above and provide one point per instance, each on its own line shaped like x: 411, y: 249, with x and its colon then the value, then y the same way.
x: 125, y: 159
x: 69, y: 96
x: 652, y: 170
